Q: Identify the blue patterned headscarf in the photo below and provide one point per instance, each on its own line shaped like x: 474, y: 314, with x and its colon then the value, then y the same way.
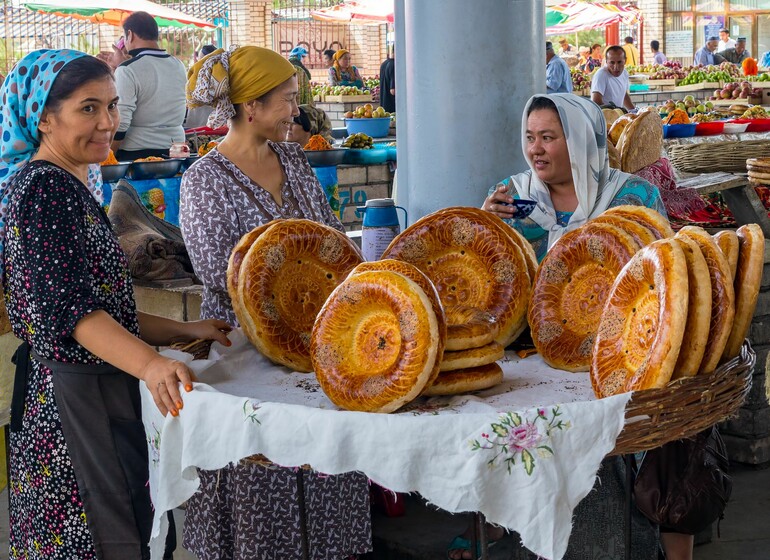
x: 24, y: 95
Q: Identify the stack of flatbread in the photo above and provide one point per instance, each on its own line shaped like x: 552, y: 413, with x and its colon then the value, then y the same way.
x: 678, y: 308
x: 759, y: 170
x: 278, y: 277
x: 634, y: 141
x: 576, y: 276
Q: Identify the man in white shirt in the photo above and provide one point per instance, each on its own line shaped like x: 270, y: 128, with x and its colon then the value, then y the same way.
x: 725, y: 42
x: 610, y: 83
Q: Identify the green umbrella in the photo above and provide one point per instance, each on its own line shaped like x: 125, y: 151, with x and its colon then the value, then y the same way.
x: 552, y: 17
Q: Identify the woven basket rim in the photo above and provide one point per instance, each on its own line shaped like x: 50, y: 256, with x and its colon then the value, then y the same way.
x: 686, y: 406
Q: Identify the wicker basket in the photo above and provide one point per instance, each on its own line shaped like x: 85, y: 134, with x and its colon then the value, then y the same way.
x: 710, y: 157
x: 656, y: 416
x: 686, y: 406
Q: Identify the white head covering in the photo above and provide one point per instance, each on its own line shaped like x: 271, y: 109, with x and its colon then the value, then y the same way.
x: 596, y: 184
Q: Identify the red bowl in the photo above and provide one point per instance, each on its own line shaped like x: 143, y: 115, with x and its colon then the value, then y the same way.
x: 709, y: 128
x: 755, y: 125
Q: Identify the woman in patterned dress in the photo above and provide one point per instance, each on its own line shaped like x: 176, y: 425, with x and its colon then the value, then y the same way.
x: 78, y: 461
x: 250, y: 178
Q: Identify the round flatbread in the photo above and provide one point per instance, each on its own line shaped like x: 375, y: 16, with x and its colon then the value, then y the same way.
x: 471, y: 263
x: 571, y: 287
x: 722, y: 297
x: 284, y: 279
x: 728, y: 243
x: 654, y: 221
x: 641, y: 142
x: 468, y: 380
x: 759, y: 163
x: 236, y: 259
x: 641, y: 329
x: 614, y: 155
x: 472, y: 357
x: 616, y: 130
x: 641, y: 234
x: 493, y: 221
x: 748, y: 279
x: 696, y: 332
x: 610, y: 116
x: 414, y: 274
x: 374, y: 343
x: 469, y: 327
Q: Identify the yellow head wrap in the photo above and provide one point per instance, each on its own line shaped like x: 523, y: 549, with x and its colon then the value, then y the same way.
x: 227, y: 77
x: 337, y: 55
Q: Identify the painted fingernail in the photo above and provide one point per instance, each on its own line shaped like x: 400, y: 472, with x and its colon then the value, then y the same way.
x: 188, y: 387
x: 179, y: 405
x: 174, y: 412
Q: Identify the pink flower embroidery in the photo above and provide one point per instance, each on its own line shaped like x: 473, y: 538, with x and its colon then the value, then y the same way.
x: 524, y: 436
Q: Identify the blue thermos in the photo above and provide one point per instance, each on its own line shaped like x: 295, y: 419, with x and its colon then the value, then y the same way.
x: 380, y: 226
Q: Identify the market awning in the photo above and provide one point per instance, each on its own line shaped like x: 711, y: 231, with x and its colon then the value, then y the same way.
x: 113, y: 12
x: 553, y: 18
x: 584, y: 15
x: 357, y: 12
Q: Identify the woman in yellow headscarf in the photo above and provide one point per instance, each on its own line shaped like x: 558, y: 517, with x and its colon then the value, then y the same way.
x: 342, y: 72
x: 252, y: 177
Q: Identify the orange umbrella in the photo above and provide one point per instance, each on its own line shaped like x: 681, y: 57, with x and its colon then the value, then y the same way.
x: 114, y: 12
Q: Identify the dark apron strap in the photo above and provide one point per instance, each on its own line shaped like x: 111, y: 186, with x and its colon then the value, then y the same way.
x: 100, y: 412
x: 21, y: 359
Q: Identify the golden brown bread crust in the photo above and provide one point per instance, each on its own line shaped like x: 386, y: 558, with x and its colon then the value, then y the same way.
x: 641, y: 234
x: 571, y: 287
x: 722, y: 297
x: 696, y: 332
x: 237, y: 255
x: 286, y: 276
x: 414, y: 274
x: 469, y: 327
x: 748, y: 280
x: 643, y: 322
x: 466, y: 380
x: 494, y: 222
x: 471, y: 261
x: 614, y: 155
x: 618, y: 126
x: 472, y: 357
x: 641, y: 142
x: 374, y: 343
x: 728, y: 243
x: 654, y: 221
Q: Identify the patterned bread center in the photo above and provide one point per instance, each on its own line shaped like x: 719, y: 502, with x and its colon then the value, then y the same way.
x: 300, y: 289
x: 584, y: 297
x: 378, y: 337
x: 642, y: 329
x: 454, y: 284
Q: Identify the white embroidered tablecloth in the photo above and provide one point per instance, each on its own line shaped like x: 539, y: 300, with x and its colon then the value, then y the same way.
x: 523, y: 453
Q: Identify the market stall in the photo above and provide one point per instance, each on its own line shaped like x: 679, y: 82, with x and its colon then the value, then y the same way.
x: 556, y: 434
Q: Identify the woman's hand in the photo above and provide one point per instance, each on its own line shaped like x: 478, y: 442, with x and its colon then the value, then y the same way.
x: 497, y: 203
x: 207, y: 329
x: 162, y: 376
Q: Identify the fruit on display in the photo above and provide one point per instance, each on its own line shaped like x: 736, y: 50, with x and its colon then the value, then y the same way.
x: 367, y: 112
x: 325, y: 89
x: 761, y: 77
x: 689, y: 105
x: 373, y: 85
x: 358, y: 141
x: 580, y: 80
x: 705, y: 117
x: 736, y: 90
x: 755, y: 112
x: 670, y: 70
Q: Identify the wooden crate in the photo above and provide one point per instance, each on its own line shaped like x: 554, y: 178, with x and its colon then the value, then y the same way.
x: 348, y: 98
x: 703, y: 86
x: 666, y: 82
x: 728, y: 102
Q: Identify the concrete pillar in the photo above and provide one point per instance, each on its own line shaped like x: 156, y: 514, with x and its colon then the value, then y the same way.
x: 464, y: 71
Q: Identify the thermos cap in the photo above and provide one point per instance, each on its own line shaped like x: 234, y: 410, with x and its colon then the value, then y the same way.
x: 379, y: 202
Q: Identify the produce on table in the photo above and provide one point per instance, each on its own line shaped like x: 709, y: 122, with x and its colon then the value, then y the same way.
x: 359, y: 141
x: 756, y: 112
x: 580, y: 80
x: 736, y: 90
x: 677, y: 116
x: 367, y: 112
x: 373, y: 85
x: 761, y: 77
x: 203, y: 149
x: 317, y: 143
x: 325, y: 89
x: 669, y: 70
x: 149, y: 158
x: 111, y: 159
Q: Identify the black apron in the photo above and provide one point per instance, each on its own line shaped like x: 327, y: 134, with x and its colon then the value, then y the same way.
x: 100, y: 411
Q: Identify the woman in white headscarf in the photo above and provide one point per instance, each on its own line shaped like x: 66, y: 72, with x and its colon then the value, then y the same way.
x: 564, y: 138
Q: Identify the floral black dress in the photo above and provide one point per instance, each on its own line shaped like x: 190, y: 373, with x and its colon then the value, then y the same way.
x: 62, y: 262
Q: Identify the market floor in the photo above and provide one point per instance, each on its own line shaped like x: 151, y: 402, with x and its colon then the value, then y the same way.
x: 745, y: 530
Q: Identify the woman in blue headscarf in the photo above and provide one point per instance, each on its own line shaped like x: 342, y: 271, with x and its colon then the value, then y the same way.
x: 78, y: 458
x: 305, y: 95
